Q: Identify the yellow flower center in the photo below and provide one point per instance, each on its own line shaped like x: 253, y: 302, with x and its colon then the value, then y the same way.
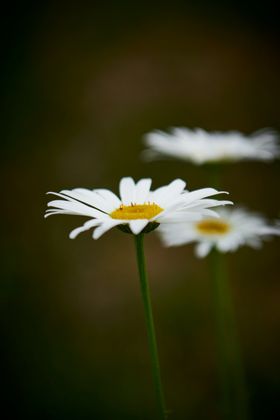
x: 213, y: 227
x: 136, y: 211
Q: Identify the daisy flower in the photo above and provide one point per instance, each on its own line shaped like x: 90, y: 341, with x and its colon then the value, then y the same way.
x: 234, y: 228
x: 138, y: 209
x: 199, y: 146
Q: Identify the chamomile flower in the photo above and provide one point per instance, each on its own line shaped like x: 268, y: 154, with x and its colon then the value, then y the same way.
x: 234, y: 228
x: 138, y: 208
x: 199, y: 146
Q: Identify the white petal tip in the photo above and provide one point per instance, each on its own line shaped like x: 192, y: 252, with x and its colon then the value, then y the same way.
x: 48, y: 214
x: 97, y: 233
x: 226, y: 202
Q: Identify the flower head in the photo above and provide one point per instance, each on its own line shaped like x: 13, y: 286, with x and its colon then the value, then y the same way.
x: 199, y: 147
x: 137, y: 206
x: 234, y: 228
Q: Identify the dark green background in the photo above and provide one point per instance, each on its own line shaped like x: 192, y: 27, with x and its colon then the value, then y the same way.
x: 81, y: 84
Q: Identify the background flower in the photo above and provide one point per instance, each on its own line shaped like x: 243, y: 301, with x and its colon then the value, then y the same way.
x: 235, y: 227
x: 199, y: 146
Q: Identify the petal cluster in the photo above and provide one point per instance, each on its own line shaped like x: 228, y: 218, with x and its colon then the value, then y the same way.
x: 199, y: 146
x: 238, y: 227
x: 136, y: 206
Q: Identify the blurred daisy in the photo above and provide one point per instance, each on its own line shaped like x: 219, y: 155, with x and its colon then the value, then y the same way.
x: 137, y: 206
x: 199, y: 147
x: 234, y: 228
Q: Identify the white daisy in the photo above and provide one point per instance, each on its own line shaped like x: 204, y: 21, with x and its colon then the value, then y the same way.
x: 199, y: 147
x: 234, y: 228
x: 138, y: 207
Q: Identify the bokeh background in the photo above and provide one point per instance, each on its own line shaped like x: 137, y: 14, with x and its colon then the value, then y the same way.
x: 82, y: 83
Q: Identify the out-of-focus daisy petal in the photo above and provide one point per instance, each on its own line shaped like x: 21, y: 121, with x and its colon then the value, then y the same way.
x: 199, y: 146
x: 203, y: 249
x: 234, y: 228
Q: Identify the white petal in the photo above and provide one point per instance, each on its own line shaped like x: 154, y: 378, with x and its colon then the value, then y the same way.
x: 209, y: 213
x: 202, y: 249
x: 184, y: 215
x: 60, y: 195
x: 77, y: 208
x: 107, y: 225
x: 177, y: 217
x: 175, y: 235
x: 189, y: 197
x: 51, y: 212
x: 137, y: 226
x: 204, y: 203
x: 228, y: 244
x: 142, y: 190
x: 91, y: 198
x: 127, y: 190
x: 165, y: 195
x: 86, y: 226
x: 108, y: 196
x: 269, y: 230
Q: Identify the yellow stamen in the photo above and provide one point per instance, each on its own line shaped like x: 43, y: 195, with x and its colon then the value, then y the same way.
x: 213, y: 227
x: 136, y: 211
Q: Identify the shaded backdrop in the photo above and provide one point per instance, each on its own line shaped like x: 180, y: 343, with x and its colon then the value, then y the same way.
x: 81, y: 85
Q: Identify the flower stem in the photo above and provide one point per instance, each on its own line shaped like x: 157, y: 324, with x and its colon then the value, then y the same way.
x: 139, y: 243
x: 233, y: 387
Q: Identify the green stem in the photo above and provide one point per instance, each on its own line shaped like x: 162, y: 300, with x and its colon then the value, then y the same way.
x: 139, y: 239
x: 233, y: 387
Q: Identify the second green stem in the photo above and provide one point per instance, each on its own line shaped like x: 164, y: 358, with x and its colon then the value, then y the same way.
x: 232, y: 378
